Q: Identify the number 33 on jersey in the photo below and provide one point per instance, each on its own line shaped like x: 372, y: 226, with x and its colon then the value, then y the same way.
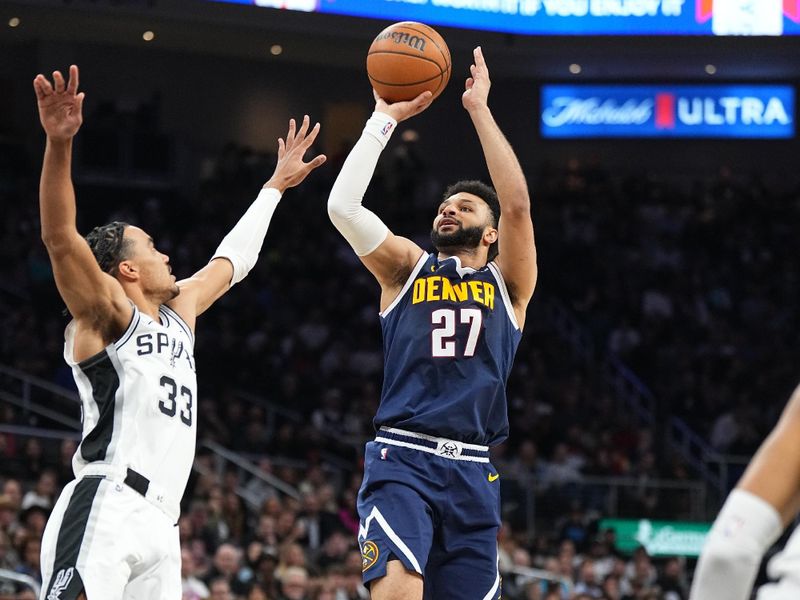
x: 449, y: 341
x: 139, y: 400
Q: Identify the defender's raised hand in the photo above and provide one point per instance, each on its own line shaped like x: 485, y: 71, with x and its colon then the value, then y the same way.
x: 60, y: 104
x: 477, y: 86
x: 291, y: 170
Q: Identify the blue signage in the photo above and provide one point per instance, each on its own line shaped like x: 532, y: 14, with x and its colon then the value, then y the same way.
x: 574, y: 17
x: 672, y: 111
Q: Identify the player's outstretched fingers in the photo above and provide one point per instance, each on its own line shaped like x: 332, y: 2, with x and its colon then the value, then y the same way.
x: 42, y: 86
x: 480, y: 61
x: 312, y: 135
x: 303, y: 127
x: 72, y: 86
x: 316, y: 162
x: 290, y: 134
x: 58, y: 80
x: 422, y: 101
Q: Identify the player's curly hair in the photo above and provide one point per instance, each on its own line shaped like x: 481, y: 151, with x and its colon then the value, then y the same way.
x: 109, y: 246
x: 485, y: 193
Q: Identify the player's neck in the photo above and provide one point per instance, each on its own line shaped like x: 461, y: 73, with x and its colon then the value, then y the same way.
x: 146, y: 305
x: 474, y: 259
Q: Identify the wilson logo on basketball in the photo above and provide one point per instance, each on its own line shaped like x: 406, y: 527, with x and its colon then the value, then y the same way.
x: 401, y: 37
x: 369, y: 555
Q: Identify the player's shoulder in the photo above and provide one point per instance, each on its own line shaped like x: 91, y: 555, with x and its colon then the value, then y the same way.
x: 183, y: 309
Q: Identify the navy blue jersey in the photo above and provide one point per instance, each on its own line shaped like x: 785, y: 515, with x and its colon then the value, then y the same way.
x: 449, y: 340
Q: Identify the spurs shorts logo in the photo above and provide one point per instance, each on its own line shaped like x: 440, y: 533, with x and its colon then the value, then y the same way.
x: 369, y: 555
x: 60, y: 583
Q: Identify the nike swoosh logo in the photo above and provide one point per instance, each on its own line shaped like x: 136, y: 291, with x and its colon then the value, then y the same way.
x: 494, y: 477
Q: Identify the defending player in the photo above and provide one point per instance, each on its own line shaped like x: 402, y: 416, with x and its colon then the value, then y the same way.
x: 766, y: 499
x: 112, y: 533
x: 429, y: 504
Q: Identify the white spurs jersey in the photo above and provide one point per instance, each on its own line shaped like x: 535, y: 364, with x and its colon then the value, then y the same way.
x: 139, y: 401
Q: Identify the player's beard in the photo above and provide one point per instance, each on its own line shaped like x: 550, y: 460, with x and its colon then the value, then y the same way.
x: 467, y: 238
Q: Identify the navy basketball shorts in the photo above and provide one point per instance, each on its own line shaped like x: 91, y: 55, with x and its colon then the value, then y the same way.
x: 434, y: 505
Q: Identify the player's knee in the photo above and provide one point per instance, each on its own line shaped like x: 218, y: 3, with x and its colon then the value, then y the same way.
x: 391, y: 593
x: 397, y: 584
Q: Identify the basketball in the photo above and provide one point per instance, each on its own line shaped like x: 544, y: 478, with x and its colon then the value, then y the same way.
x: 406, y: 59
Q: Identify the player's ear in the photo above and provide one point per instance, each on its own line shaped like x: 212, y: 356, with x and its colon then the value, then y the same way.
x: 490, y: 235
x: 128, y: 270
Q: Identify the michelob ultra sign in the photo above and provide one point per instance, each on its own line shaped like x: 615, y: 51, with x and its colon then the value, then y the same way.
x: 672, y: 111
x: 659, y: 538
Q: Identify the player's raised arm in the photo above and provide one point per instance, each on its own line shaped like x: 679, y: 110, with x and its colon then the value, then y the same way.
x: 91, y: 295
x: 389, y: 258
x: 517, y: 248
x: 239, y: 250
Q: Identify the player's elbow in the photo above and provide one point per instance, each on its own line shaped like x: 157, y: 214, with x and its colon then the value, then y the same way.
x: 725, y: 560
x: 517, y: 211
x: 57, y: 242
x: 339, y: 210
x: 51, y: 237
x: 517, y: 204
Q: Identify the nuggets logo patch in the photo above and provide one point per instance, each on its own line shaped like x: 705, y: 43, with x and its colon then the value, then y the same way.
x: 369, y: 555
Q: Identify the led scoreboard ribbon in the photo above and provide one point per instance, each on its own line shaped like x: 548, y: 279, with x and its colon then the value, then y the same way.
x: 574, y: 17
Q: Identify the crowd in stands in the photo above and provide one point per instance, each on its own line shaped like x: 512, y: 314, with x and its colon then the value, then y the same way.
x: 707, y: 325
x: 305, y: 549
x: 693, y: 286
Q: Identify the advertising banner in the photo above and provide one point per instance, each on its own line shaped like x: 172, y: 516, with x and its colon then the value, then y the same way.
x: 659, y: 538
x: 673, y: 111
x: 574, y: 17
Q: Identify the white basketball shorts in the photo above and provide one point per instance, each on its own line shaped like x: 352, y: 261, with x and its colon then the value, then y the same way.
x: 107, y: 539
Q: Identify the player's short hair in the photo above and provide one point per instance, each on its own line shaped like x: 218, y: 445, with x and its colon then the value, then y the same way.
x: 485, y: 193
x: 109, y: 245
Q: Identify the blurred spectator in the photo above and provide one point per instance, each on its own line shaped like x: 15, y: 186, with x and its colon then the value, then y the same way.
x: 294, y: 584
x: 220, y: 589
x: 227, y: 566
x: 193, y: 587
x: 29, y: 552
x: 44, y: 493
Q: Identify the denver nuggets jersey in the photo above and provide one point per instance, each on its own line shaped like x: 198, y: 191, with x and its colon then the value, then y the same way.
x: 449, y: 341
x: 139, y: 401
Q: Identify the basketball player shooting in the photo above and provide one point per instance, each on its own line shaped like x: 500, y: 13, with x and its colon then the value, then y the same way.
x: 113, y: 533
x: 429, y: 504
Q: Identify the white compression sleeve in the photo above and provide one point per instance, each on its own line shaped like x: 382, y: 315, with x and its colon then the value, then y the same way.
x: 242, y: 245
x: 742, y: 532
x: 362, y: 228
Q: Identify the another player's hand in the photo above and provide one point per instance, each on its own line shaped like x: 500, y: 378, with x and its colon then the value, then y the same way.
x: 291, y: 170
x: 60, y: 104
x: 400, y: 111
x: 476, y: 95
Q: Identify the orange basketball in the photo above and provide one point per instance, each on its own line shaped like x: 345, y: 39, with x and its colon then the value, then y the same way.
x: 407, y: 58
